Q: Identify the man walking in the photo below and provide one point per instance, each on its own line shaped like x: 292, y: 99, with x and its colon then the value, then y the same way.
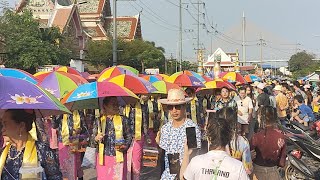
x: 173, y: 134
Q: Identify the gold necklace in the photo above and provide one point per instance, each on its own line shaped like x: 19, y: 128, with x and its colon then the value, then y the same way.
x: 14, y: 158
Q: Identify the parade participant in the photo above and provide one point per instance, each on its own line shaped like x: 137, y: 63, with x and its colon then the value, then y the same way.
x: 298, y: 91
x: 217, y: 163
x: 23, y: 151
x: 269, y: 145
x: 143, y: 117
x: 173, y: 134
x: 282, y: 103
x: 225, y: 100
x: 71, y: 132
x: 114, y: 138
x: 302, y: 113
x: 195, y: 107
x: 263, y: 99
x: 245, y: 109
x: 238, y: 147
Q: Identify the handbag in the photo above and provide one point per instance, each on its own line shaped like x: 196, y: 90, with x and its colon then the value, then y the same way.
x: 89, y: 159
x: 150, y: 156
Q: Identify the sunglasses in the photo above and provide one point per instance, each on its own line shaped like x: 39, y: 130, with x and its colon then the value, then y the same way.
x: 177, y: 107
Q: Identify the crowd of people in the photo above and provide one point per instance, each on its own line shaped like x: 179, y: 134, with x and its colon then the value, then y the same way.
x: 236, y: 135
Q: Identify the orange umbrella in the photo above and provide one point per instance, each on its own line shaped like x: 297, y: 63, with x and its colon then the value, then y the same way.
x: 233, y: 77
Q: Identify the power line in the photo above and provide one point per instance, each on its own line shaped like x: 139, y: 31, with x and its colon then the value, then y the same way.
x: 163, y: 26
x: 155, y: 15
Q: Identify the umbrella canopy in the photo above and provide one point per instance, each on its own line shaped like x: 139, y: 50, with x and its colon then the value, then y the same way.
x: 184, y: 80
x: 135, y: 71
x: 215, y: 84
x: 135, y: 84
x: 190, y: 73
x: 113, y: 71
x: 206, y: 78
x: 164, y: 76
x: 152, y: 78
x: 20, y: 94
x: 17, y: 73
x: 163, y: 87
x: 58, y: 84
x: 75, y: 78
x: 90, y: 96
x: 67, y: 70
x: 233, y: 77
x: 252, y: 78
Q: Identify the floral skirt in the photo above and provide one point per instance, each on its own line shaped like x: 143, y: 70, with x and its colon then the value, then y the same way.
x: 70, y: 163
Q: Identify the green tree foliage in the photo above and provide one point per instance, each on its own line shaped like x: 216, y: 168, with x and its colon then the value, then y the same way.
x: 301, y: 64
x: 137, y: 53
x: 27, y: 46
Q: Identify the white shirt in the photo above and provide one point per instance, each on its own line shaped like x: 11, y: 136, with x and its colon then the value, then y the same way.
x: 244, y: 105
x: 204, y: 167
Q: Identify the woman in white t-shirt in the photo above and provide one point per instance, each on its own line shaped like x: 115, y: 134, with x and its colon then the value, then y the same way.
x: 217, y: 164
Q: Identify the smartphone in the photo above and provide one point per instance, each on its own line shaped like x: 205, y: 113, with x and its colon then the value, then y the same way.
x: 191, y: 137
x: 174, y: 163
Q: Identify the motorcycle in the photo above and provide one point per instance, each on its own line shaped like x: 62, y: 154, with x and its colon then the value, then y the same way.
x: 303, y: 154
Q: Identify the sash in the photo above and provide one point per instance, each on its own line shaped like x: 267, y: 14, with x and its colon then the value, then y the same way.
x: 117, y: 123
x: 162, y: 119
x: 30, y: 157
x: 127, y: 110
x: 151, y: 114
x: 65, y: 128
x: 33, y: 131
x: 138, y: 121
x: 193, y: 108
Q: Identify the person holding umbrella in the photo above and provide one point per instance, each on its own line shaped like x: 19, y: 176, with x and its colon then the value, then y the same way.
x: 114, y: 138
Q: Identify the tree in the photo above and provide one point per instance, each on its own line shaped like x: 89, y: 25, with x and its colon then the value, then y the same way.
x: 27, y: 46
x: 301, y: 64
x: 137, y: 53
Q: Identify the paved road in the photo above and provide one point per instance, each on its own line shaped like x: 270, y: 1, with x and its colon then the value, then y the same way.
x: 147, y: 174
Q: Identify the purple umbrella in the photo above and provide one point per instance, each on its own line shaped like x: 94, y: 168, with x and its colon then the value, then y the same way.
x: 20, y: 94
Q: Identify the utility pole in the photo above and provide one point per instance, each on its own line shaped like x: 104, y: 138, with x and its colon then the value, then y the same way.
x: 261, y: 44
x: 244, y: 38
x: 211, y: 47
x: 114, y: 40
x: 180, y: 35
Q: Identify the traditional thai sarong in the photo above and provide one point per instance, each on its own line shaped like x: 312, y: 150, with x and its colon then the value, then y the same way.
x: 111, y: 170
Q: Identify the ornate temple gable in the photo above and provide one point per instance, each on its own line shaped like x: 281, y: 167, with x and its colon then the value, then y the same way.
x: 41, y: 9
x: 129, y: 28
x: 93, y: 6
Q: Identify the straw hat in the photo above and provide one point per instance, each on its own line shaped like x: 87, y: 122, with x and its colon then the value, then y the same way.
x: 175, y: 97
x: 261, y: 86
x: 255, y: 83
x: 278, y: 88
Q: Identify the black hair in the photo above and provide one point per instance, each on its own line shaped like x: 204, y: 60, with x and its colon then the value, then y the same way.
x: 251, y: 91
x: 268, y: 116
x: 23, y: 116
x: 219, y: 132
x: 299, y: 98
x: 296, y: 83
x: 242, y: 89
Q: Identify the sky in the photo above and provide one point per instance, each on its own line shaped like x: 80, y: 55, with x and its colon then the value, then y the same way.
x: 281, y: 23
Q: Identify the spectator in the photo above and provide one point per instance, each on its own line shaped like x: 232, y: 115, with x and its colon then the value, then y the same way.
x: 302, y: 113
x: 269, y: 144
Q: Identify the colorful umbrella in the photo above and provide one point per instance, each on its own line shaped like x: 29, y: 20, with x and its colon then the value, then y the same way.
x: 17, y: 73
x: 184, y: 80
x: 135, y: 71
x: 164, y: 76
x: 67, y: 70
x: 233, y: 77
x: 163, y: 87
x: 152, y: 78
x: 215, y: 84
x: 20, y: 94
x: 75, y: 78
x: 135, y: 84
x: 112, y: 72
x: 252, y: 78
x: 90, y: 96
x: 58, y: 84
x: 206, y: 78
x: 190, y: 73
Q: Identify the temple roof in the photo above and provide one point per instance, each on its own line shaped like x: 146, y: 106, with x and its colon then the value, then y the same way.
x: 96, y: 32
x: 128, y: 27
x: 92, y: 7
